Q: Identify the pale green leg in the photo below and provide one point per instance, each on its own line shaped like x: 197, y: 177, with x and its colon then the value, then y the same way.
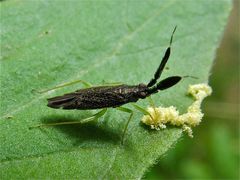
x: 123, y: 109
x: 104, y: 83
x: 86, y: 120
x: 142, y: 110
x: 150, y: 100
x: 127, y: 110
x: 86, y: 84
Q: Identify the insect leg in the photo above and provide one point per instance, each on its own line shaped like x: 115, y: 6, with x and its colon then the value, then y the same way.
x: 86, y: 120
x: 123, y: 109
x: 150, y: 100
x: 86, y: 84
x: 163, y: 63
x: 152, y: 104
x: 142, y: 110
x: 105, y: 83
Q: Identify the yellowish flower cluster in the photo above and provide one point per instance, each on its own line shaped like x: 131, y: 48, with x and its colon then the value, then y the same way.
x: 160, y: 116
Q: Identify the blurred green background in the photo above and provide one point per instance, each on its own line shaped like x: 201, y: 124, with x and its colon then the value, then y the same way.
x: 213, y: 153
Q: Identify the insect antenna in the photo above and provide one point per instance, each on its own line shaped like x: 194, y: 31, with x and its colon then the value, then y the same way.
x: 164, y: 84
x: 167, y: 83
x: 163, y: 62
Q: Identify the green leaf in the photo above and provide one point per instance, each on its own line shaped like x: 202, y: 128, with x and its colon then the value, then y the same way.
x: 47, y: 43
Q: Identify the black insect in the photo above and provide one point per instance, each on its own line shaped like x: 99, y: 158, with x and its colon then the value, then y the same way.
x: 115, y: 96
x: 103, y: 97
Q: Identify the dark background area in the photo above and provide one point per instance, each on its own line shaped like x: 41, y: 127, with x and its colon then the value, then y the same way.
x: 213, y: 153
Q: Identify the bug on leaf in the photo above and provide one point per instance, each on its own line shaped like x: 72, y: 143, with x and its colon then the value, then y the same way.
x: 103, y: 97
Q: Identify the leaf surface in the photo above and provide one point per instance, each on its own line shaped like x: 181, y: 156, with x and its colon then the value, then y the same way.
x: 48, y: 43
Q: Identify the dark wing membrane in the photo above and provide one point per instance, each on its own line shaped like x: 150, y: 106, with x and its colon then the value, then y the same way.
x: 91, y: 98
x: 67, y: 101
x: 100, y: 100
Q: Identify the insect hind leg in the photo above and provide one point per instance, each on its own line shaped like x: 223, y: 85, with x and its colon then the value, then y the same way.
x: 83, y: 121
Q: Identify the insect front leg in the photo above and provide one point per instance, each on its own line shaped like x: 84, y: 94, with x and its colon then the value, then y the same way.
x: 151, y: 102
x: 142, y: 110
x: 127, y: 110
x: 123, y: 109
x: 83, y: 121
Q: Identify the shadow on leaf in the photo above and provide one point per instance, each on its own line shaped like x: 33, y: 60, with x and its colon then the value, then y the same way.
x: 82, y: 133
